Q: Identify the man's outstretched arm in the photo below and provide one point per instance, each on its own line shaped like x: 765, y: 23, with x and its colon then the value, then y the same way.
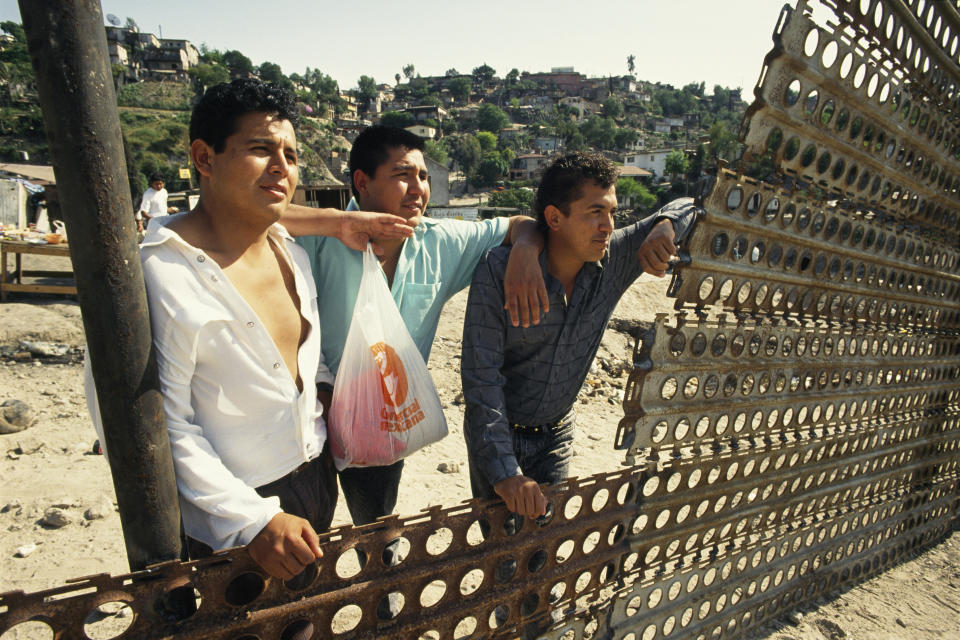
x: 352, y: 228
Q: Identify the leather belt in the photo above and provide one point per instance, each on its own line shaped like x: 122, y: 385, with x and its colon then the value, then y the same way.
x: 536, y: 428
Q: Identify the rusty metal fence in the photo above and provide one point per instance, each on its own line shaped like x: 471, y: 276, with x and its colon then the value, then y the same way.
x: 793, y: 429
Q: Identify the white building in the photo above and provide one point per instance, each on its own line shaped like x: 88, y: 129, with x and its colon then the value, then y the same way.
x: 422, y: 130
x: 653, y: 161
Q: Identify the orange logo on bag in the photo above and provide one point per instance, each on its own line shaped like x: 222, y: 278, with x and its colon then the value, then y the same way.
x: 393, y: 377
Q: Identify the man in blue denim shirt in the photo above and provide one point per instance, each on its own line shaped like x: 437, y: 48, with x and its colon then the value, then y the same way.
x: 520, y: 383
x: 389, y: 175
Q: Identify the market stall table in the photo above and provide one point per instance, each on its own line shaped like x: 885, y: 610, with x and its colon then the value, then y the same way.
x: 13, y: 280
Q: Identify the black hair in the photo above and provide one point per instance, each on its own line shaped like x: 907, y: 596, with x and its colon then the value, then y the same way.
x: 562, y: 181
x: 215, y: 116
x: 372, y: 148
x: 157, y: 176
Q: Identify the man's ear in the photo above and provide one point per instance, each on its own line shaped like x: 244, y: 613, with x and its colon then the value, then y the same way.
x: 202, y: 155
x: 361, y: 181
x: 552, y: 215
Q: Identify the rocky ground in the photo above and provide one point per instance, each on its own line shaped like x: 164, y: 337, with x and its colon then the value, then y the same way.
x: 59, y: 521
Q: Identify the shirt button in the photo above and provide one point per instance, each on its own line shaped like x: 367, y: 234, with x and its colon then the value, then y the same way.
x: 309, y: 446
x: 251, y: 324
x: 276, y: 365
x: 214, y: 278
x: 201, y: 259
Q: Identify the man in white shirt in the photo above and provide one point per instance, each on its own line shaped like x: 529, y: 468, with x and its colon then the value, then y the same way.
x: 233, y: 309
x: 153, y: 204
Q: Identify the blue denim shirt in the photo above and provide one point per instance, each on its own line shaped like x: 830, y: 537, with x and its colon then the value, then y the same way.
x: 532, y: 375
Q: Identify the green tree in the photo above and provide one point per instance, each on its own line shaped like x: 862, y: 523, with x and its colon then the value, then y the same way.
x: 490, y: 117
x: 511, y: 78
x: 460, y: 89
x: 695, y: 88
x: 408, y: 71
x: 238, y: 64
x: 430, y: 100
x: 576, y: 142
x: 451, y: 72
x: 625, y: 137
x: 399, y: 119
x: 599, y: 132
x: 487, y: 140
x: 723, y: 143
x: 366, y: 91
x: 465, y: 150
x: 270, y: 72
x: 613, y: 107
x: 208, y: 75
x: 515, y: 198
x: 483, y: 74
x: 631, y: 63
x: 396, y: 77
x: 419, y: 88
x: 491, y: 168
x: 635, y: 193
x: 696, y: 161
x: 16, y: 52
x: 436, y: 151
x: 676, y: 163
x: 720, y: 98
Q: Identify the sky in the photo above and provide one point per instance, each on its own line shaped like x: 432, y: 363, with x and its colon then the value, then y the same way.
x: 674, y: 41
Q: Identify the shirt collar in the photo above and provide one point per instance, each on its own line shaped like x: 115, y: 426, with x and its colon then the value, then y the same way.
x: 158, y: 233
x: 591, y: 268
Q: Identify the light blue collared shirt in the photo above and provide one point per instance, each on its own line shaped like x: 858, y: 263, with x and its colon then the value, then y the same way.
x: 435, y: 263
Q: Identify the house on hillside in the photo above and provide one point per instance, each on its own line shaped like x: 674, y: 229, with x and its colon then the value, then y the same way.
x: 563, y: 79
x: 144, y: 56
x: 653, y: 161
x: 438, y: 176
x: 547, y: 144
x: 350, y: 104
x: 636, y: 173
x: 170, y: 61
x: 322, y: 190
x: 528, y: 166
x: 427, y: 112
x: 422, y: 130
x: 633, y: 173
x: 512, y: 132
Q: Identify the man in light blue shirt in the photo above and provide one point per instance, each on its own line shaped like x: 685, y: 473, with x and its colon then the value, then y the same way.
x: 390, y: 176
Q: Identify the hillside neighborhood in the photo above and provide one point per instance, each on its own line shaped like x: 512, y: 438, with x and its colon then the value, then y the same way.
x: 489, y: 134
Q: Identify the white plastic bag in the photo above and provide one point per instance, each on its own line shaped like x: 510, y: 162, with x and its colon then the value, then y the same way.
x: 385, y: 405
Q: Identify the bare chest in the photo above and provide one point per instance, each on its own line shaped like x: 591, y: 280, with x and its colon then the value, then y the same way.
x: 271, y: 293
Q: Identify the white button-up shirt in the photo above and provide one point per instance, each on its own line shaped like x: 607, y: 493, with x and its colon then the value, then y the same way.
x: 153, y: 203
x: 234, y: 414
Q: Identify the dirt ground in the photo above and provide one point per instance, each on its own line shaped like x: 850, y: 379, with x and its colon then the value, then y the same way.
x: 50, y: 466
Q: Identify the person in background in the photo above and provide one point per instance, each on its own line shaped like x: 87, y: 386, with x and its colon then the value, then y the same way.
x: 153, y: 204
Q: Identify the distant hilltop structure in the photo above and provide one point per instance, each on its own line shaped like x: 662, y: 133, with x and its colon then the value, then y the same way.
x: 144, y: 56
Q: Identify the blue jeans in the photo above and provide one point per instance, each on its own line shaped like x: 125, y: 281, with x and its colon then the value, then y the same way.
x: 544, y: 457
x: 371, y: 492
